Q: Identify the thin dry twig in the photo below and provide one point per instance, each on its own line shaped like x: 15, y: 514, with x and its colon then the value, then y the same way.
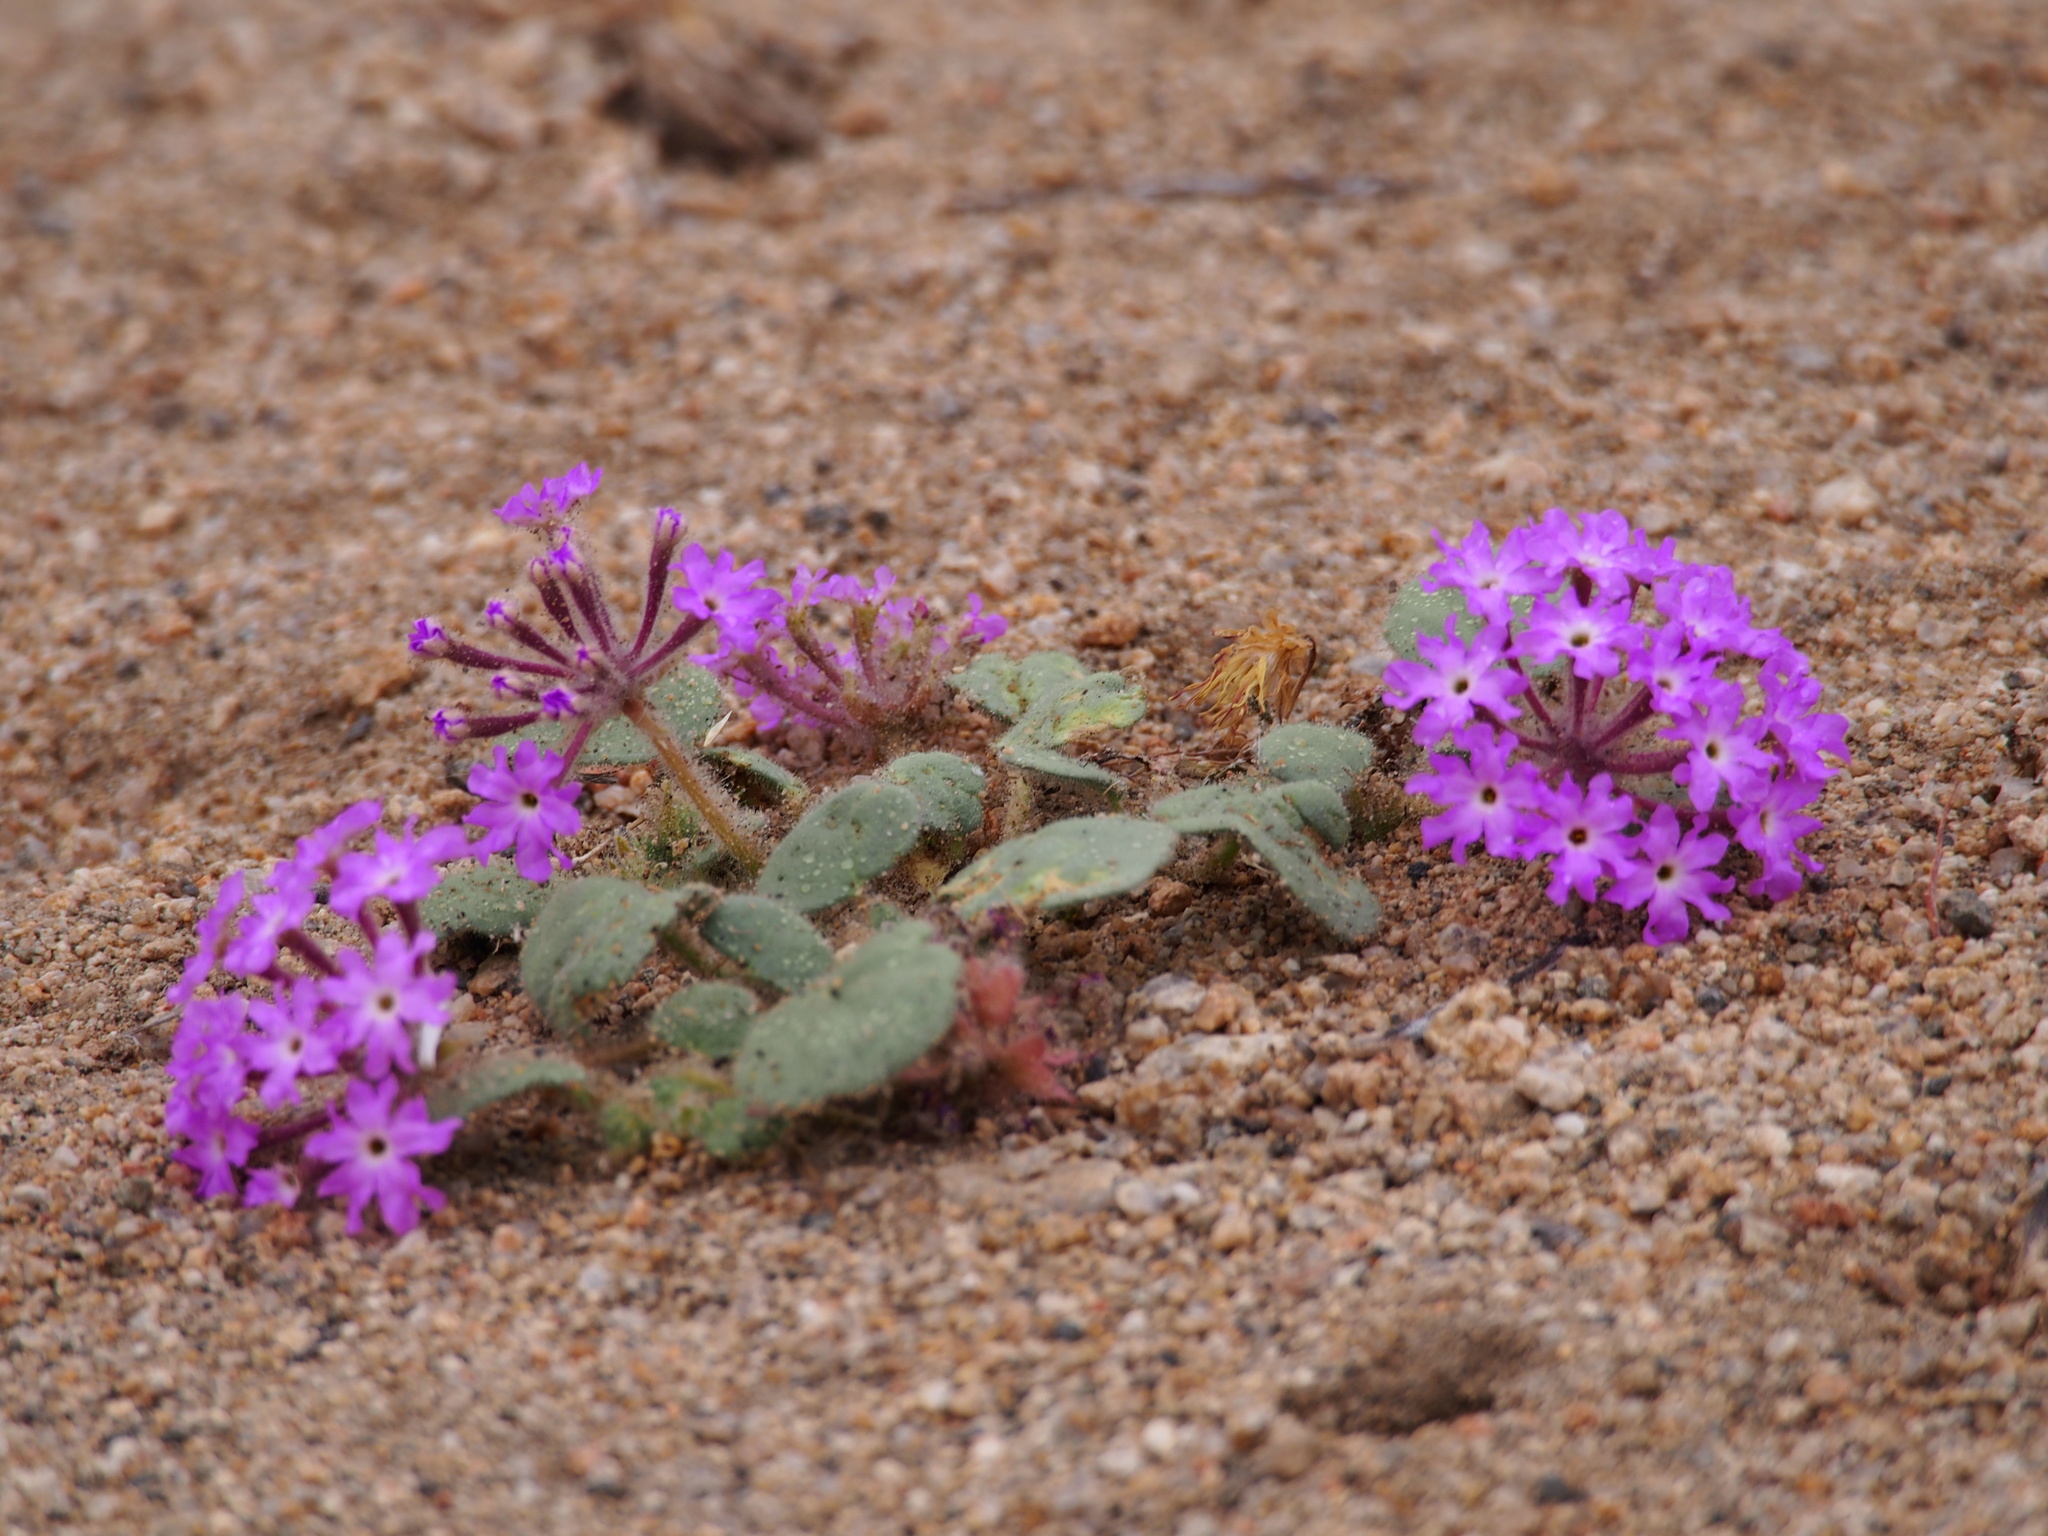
x: 1934, y: 875
x: 1226, y: 187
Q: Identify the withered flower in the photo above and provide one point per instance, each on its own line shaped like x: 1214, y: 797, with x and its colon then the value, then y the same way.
x: 1262, y: 671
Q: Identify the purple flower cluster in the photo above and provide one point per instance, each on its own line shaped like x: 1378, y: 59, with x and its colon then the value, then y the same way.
x: 877, y: 668
x: 1631, y: 666
x: 375, y: 1014
x: 590, y: 673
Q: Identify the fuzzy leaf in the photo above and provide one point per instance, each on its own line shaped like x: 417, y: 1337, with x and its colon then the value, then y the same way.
x: 710, y: 1018
x: 1321, y: 808
x: 725, y: 1129
x: 991, y: 682
x: 1325, y: 754
x: 1052, y: 699
x: 492, y: 899
x: 762, y: 780
x: 1416, y: 610
x: 687, y: 699
x: 689, y: 702
x: 1056, y: 765
x: 844, y: 841
x: 1063, y: 864
x: 492, y: 1078
x: 1271, y: 821
x: 949, y: 790
x: 768, y: 939
x: 594, y: 934
x: 878, y: 1011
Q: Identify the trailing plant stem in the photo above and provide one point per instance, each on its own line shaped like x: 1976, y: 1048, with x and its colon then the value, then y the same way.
x: 708, y: 802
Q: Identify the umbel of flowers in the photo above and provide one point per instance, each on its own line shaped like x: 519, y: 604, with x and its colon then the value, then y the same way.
x: 776, y: 648
x: 1631, y: 667
x: 883, y: 672
x: 308, y: 1011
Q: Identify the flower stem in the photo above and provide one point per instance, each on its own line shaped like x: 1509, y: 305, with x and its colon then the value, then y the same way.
x: 709, y: 803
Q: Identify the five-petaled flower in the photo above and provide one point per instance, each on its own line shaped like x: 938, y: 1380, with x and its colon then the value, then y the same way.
x: 1603, y: 665
x: 375, y: 1014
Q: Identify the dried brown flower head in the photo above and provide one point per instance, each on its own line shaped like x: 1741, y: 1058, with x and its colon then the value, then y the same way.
x: 1262, y: 671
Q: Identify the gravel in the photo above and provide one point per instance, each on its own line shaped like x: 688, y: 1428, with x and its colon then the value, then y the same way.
x: 1722, y: 1235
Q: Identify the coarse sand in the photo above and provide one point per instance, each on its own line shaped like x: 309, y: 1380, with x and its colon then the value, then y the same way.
x: 1143, y: 319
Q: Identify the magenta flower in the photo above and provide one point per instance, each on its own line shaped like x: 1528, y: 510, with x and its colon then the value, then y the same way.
x: 1672, y: 872
x: 293, y: 1041
x: 272, y: 1186
x: 211, y: 935
x: 318, y: 1012
x: 216, y: 1144
x: 1662, y: 658
x: 596, y: 666
x: 554, y: 501
x: 725, y: 592
x: 1583, y: 832
x: 381, y: 1002
x: 372, y: 1146
x: 206, y: 1062
x: 1486, y: 579
x: 1725, y: 751
x: 1486, y: 797
x: 272, y: 915
x: 1600, y: 546
x: 1457, y: 678
x: 792, y: 666
x: 525, y: 809
x: 402, y: 868
x: 1592, y: 636
x: 1770, y: 827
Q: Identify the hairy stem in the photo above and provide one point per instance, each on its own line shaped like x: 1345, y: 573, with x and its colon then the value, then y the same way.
x: 1631, y: 715
x: 1534, y: 698
x: 710, y: 804
x: 291, y: 1130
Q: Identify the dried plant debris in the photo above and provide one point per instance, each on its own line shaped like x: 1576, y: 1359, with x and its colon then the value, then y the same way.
x: 1422, y: 1369
x: 720, y: 92
x: 1260, y: 673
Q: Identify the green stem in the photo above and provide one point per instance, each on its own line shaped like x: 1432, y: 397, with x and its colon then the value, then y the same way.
x: 709, y: 802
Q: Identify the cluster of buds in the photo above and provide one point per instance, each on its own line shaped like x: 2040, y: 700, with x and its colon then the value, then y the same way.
x: 875, y: 670
x: 375, y: 1014
x: 592, y: 672
x: 1000, y: 1044
x: 1635, y: 668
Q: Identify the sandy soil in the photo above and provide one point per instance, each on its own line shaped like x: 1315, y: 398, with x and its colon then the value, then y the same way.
x: 1144, y: 319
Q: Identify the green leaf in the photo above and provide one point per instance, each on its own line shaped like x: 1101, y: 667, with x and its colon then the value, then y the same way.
x: 687, y: 698
x: 492, y: 899
x: 1325, y: 754
x: 492, y: 1078
x: 709, y: 1017
x: 724, y: 1128
x: 768, y: 940
x: 1056, y: 765
x: 1416, y: 610
x: 991, y: 682
x: 1272, y: 821
x: 1052, y: 699
x: 949, y: 790
x: 1321, y: 808
x: 878, y: 1012
x: 625, y: 1124
x: 689, y: 702
x: 595, y: 934
x: 1063, y: 864
x: 844, y: 841
x: 763, y: 780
